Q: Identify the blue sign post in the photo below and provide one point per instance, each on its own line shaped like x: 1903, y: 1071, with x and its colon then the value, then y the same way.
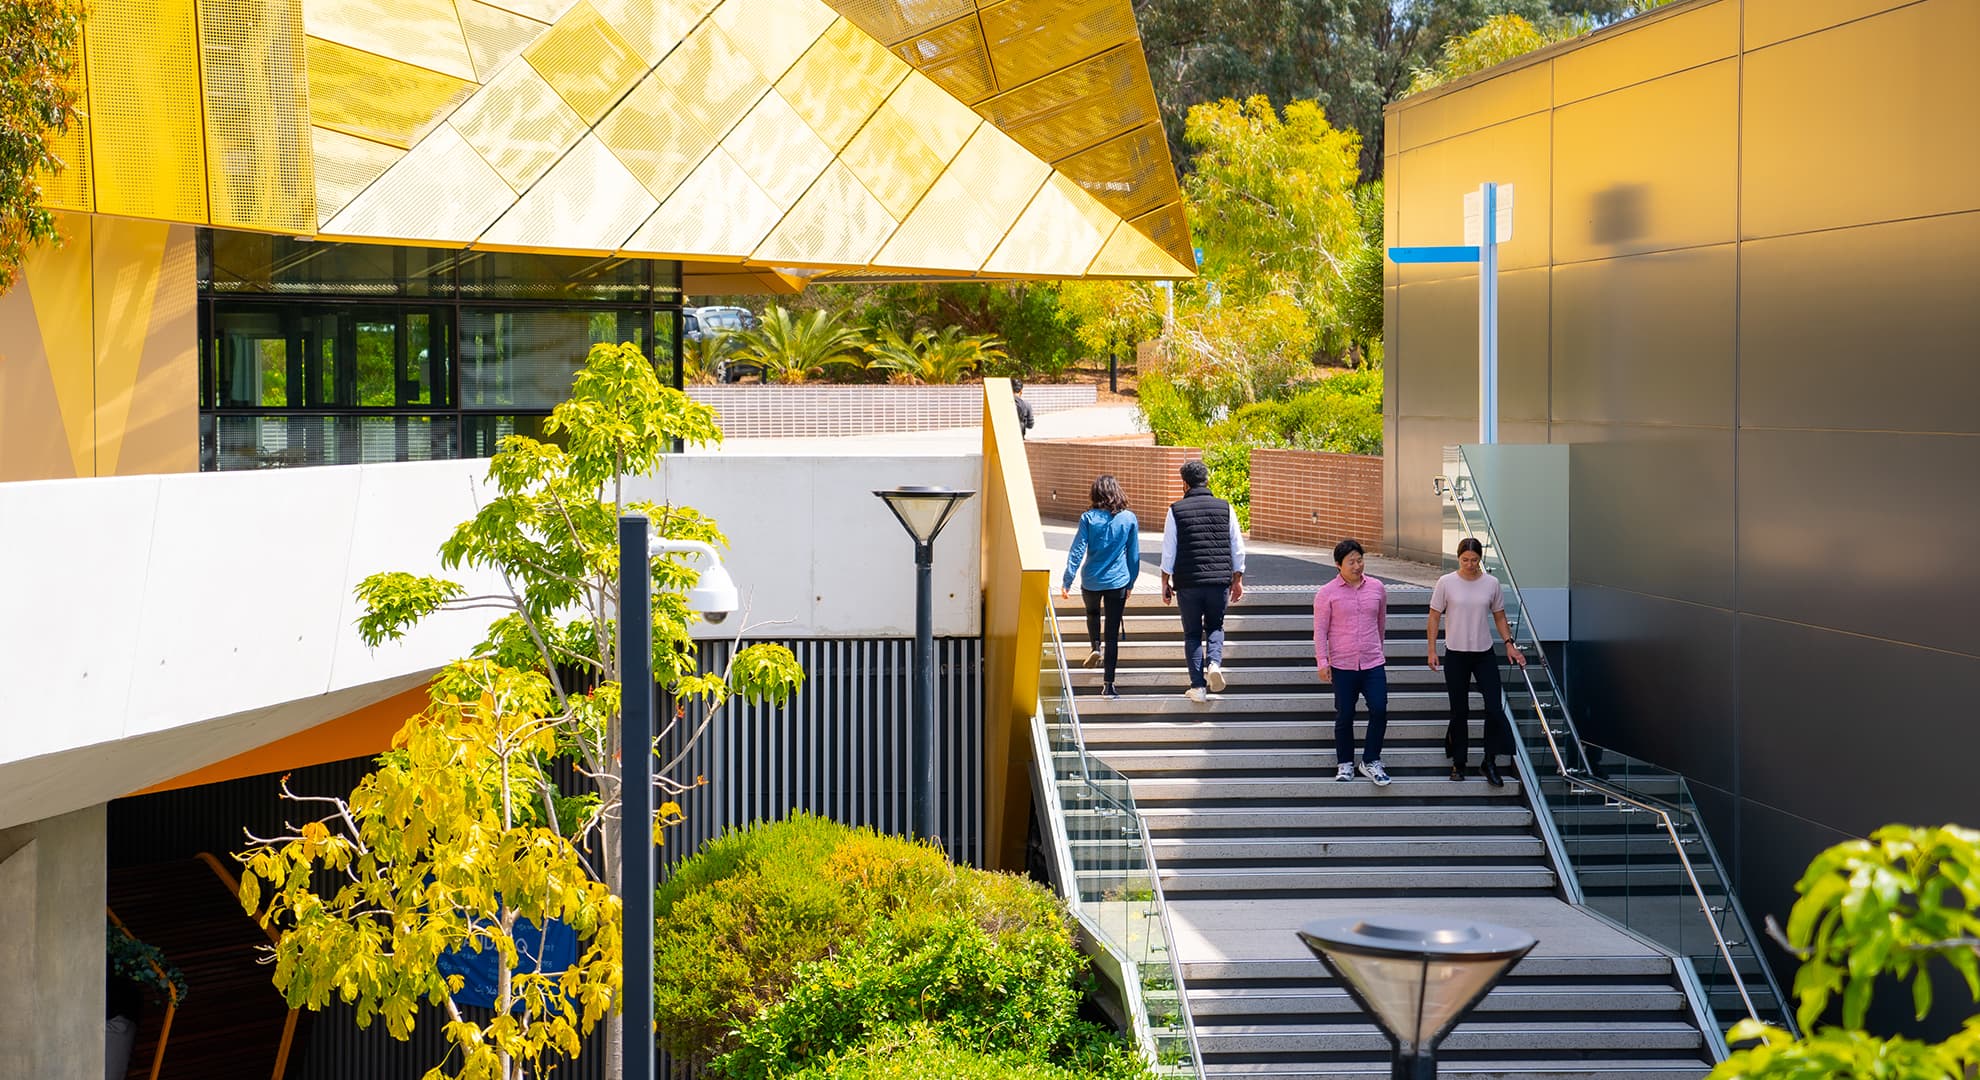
x: 1486, y: 254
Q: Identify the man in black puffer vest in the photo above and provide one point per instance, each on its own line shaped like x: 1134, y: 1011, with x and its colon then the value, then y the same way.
x: 1203, y: 572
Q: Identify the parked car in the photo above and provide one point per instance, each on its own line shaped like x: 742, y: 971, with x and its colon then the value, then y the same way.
x: 717, y: 319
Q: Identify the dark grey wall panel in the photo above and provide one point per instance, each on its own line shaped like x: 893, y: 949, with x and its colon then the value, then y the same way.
x: 1441, y: 378
x: 1812, y: 699
x: 1775, y: 848
x: 1654, y: 678
x: 1647, y: 339
x: 1874, y: 328
x: 1869, y: 532
x: 1651, y: 510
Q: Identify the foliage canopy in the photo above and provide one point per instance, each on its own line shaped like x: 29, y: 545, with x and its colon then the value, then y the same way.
x: 40, y: 43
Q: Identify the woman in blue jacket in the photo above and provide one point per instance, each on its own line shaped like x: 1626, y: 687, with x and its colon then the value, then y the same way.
x: 1108, y: 543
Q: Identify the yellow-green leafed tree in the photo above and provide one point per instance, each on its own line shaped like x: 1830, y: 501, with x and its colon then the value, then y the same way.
x: 39, y: 46
x: 462, y: 840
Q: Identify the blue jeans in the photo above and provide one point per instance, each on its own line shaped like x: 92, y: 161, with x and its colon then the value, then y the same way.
x: 1372, y: 684
x: 1203, y: 626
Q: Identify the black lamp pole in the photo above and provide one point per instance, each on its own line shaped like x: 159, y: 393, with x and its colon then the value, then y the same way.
x: 636, y: 792
x: 923, y: 752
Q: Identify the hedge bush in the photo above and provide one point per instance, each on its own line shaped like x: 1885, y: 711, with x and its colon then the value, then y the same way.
x: 920, y: 1054
x: 784, y: 945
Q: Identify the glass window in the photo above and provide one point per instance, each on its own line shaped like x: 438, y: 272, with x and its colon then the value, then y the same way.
x: 237, y: 262
x: 507, y: 275
x: 229, y: 443
x: 482, y: 434
x: 525, y: 359
x: 315, y: 355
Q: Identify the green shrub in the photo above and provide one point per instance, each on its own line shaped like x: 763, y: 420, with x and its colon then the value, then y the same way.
x: 1230, y: 475
x: 789, y: 942
x: 919, y: 1054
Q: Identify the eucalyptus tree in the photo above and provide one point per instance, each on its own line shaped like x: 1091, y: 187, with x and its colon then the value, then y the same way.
x: 40, y: 44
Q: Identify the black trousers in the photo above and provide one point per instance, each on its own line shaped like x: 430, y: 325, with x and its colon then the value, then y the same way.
x: 1461, y: 669
x: 1113, y: 602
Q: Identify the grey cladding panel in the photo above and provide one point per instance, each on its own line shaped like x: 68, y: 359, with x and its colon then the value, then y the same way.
x: 1647, y: 339
x: 1654, y: 678
x: 1651, y: 510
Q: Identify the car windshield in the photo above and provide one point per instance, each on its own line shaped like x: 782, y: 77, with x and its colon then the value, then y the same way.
x: 723, y: 321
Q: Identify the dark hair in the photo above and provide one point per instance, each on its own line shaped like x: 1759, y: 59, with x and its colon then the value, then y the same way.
x: 1470, y: 543
x: 1345, y: 548
x: 1017, y: 386
x: 1107, y: 494
x: 1195, y: 474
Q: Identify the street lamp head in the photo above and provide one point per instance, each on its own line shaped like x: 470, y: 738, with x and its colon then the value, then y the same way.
x: 1416, y: 975
x: 923, y: 511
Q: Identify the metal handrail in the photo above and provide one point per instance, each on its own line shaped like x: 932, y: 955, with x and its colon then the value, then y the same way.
x: 1147, y: 846
x: 1584, y: 778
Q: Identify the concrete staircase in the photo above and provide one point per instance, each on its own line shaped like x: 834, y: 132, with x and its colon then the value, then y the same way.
x: 1253, y: 837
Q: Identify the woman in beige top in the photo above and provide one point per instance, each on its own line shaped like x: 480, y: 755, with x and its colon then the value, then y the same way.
x: 1468, y: 602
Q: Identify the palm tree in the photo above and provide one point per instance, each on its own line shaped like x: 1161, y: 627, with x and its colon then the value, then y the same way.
x: 794, y: 347
x: 945, y: 357
x: 701, y: 357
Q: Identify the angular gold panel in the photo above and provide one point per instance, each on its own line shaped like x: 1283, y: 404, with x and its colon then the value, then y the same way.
x: 889, y: 21
x: 683, y: 109
x: 840, y: 80
x: 1506, y: 96
x: 1653, y: 47
x: 441, y: 192
x: 773, y: 33
x: 1769, y: 21
x: 423, y: 33
x: 148, y: 152
x: 546, y: 12
x: 1431, y: 182
x: 778, y: 149
x: 837, y: 223
x: 894, y: 162
x: 257, y: 115
x: 959, y: 222
x: 1169, y: 228
x: 1057, y: 236
x: 1129, y: 254
x: 944, y: 123
x: 1131, y: 174
x: 651, y: 27
x: 953, y: 55
x: 717, y: 211
x: 589, y: 202
x: 345, y: 165
x: 587, y: 61
x: 1072, y: 109
x: 368, y: 96
x: 495, y: 35
x: 519, y: 124
x: 70, y: 187
x: 1030, y: 38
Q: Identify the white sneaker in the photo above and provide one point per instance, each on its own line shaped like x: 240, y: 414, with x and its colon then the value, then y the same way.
x: 1374, y: 771
x: 1093, y: 659
x: 1345, y: 772
x: 1214, y: 675
x: 1196, y: 694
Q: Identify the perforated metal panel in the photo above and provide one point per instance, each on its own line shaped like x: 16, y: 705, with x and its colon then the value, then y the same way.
x: 651, y: 27
x: 1057, y: 235
x: 840, y: 80
x: 944, y: 123
x: 953, y: 55
x: 586, y: 61
x: 423, y: 33
x: 893, y: 161
x: 362, y: 94
x: 683, y: 109
x: 1131, y: 174
x: 890, y: 21
x: 837, y: 223
x: 71, y: 187
x: 258, y: 154
x: 345, y: 165
x: 543, y: 11
x: 717, y: 211
x: 147, y: 149
x: 519, y: 124
x: 773, y: 33
x: 960, y: 221
x: 1168, y: 226
x: 494, y: 35
x: 1072, y: 109
x: 1128, y: 253
x: 442, y: 192
x: 1028, y: 38
x: 778, y: 150
x: 588, y: 202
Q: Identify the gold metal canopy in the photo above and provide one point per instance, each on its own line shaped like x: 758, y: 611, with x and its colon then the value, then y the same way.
x: 765, y: 141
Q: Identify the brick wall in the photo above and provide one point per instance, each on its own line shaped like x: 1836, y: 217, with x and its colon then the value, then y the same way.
x: 1062, y: 473
x: 1297, y: 496
x: 751, y: 411
x: 1313, y: 499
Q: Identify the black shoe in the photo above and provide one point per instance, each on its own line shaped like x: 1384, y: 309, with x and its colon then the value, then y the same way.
x: 1492, y: 775
x: 1110, y: 693
x: 1457, y: 771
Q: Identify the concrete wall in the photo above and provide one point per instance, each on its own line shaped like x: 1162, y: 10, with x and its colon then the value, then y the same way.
x: 51, y: 946
x: 1764, y: 355
x: 750, y: 411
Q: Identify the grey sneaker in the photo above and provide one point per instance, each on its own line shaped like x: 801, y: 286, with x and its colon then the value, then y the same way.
x: 1214, y: 675
x: 1196, y: 694
x: 1344, y: 772
x: 1374, y: 771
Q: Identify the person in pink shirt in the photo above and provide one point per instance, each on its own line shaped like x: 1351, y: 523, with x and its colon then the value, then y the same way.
x: 1350, y: 618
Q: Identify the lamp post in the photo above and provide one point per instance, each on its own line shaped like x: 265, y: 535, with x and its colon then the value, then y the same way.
x: 714, y: 595
x: 922, y: 512
x: 1416, y: 976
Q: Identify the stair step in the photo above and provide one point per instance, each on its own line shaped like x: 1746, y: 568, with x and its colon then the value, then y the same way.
x: 1183, y: 820
x: 1405, y: 788
x: 1315, y: 764
x: 1300, y: 677
x: 1272, y: 598
x: 1408, y: 650
x: 1210, y: 1004
x: 1310, y: 704
x: 1648, y: 1069
x: 1239, y: 619
x: 1170, y: 851
x: 1204, y: 973
x: 1103, y: 732
x: 1487, y: 1035
x: 1179, y: 882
